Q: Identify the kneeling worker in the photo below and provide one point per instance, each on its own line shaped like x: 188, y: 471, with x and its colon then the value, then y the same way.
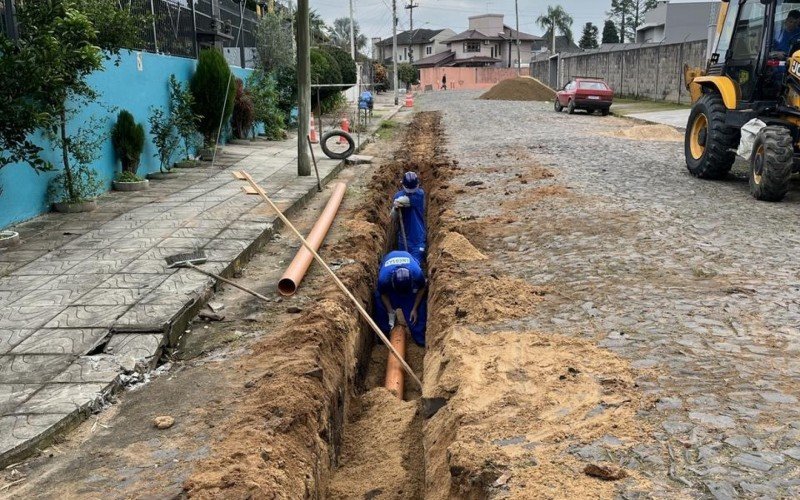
x: 409, y: 204
x: 401, y: 284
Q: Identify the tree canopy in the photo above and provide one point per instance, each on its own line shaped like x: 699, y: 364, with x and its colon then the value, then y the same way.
x: 340, y: 35
x: 610, y: 34
x: 589, y: 37
x: 555, y: 20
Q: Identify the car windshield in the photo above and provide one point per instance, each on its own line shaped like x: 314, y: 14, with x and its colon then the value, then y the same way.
x: 593, y: 86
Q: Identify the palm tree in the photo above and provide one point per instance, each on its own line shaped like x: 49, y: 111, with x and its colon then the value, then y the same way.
x: 317, y: 27
x: 340, y: 35
x: 556, y: 19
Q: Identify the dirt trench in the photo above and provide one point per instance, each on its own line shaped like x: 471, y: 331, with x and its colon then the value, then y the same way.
x: 317, y: 412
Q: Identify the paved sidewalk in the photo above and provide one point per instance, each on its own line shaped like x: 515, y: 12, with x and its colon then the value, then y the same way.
x: 674, y: 118
x: 87, y: 297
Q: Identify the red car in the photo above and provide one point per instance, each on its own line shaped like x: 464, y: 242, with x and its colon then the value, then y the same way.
x: 591, y: 94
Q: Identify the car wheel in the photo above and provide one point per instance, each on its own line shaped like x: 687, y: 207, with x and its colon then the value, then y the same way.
x: 604, y: 112
x: 571, y: 107
x: 557, y: 106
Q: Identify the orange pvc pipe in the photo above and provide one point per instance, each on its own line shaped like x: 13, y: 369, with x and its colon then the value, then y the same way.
x: 394, y: 370
x: 297, y: 269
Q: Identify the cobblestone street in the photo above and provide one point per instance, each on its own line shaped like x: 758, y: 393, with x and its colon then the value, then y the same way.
x: 695, y: 283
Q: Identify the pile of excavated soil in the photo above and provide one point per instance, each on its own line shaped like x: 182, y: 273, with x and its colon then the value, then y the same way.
x: 479, y: 297
x: 649, y: 133
x: 459, y: 248
x: 520, y: 401
x: 523, y: 88
x: 382, y: 453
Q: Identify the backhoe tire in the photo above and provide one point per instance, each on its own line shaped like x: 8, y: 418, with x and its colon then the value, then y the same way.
x: 771, y: 164
x: 709, y: 144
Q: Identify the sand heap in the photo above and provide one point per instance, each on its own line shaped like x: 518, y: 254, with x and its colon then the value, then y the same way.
x: 523, y: 88
x: 649, y: 133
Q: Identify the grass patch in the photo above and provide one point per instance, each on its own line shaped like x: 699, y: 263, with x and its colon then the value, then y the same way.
x: 386, y: 129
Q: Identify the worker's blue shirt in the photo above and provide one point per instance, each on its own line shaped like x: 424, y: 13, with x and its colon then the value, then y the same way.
x: 414, y: 222
x: 404, y: 301
x: 784, y: 40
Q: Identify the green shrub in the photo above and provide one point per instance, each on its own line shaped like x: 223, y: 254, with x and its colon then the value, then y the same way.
x: 208, y: 85
x: 78, y: 181
x: 407, y: 74
x: 265, y: 96
x: 346, y: 64
x: 127, y: 136
x: 286, y: 85
x: 165, y: 137
x: 128, y: 177
x: 243, y: 112
x: 182, y: 116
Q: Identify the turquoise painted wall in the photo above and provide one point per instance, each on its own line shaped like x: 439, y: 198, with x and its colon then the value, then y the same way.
x: 128, y: 85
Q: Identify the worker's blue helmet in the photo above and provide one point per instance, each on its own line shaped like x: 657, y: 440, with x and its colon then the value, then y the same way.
x: 410, y: 182
x: 401, y: 280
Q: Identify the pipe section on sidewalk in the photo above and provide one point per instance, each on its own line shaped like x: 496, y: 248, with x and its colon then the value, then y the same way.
x: 297, y: 269
x: 394, y: 370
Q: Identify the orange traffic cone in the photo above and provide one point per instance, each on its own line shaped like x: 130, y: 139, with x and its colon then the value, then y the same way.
x: 409, y: 100
x: 313, y: 132
x: 345, y: 125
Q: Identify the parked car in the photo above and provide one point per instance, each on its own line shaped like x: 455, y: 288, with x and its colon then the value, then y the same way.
x: 590, y: 94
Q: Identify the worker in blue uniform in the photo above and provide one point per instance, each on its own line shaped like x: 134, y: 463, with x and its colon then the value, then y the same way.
x: 402, y: 285
x: 409, y: 205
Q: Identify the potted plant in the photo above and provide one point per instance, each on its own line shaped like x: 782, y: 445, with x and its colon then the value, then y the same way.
x: 8, y: 238
x: 127, y: 136
x: 75, y: 188
x: 214, y: 97
x: 166, y: 141
x: 181, y: 112
x: 243, y: 115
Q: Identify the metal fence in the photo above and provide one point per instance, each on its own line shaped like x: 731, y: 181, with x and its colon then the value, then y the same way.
x: 173, y: 26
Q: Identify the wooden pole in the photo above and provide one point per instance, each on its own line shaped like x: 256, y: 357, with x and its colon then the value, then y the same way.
x: 303, y: 87
x: 242, y: 175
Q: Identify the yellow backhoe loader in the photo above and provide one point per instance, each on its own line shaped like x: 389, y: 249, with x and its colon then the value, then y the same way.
x: 753, y: 73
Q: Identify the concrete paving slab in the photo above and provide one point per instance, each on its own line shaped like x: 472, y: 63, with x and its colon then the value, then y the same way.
x: 100, y: 368
x: 10, y: 338
x: 64, y: 399
x: 87, y: 317
x: 58, y: 341
x: 78, y: 277
x: 32, y: 368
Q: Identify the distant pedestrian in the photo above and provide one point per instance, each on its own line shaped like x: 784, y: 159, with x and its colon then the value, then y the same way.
x: 444, y: 81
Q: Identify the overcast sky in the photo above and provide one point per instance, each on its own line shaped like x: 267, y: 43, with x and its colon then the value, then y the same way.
x: 374, y: 16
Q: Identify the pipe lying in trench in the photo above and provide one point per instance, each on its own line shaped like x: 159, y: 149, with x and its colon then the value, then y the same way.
x: 394, y: 370
x: 297, y: 269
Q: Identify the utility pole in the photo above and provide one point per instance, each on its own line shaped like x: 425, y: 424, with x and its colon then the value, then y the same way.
x: 303, y: 87
x: 394, y: 51
x: 519, y: 57
x: 11, y: 20
x: 553, y: 34
x: 352, y: 34
x: 411, y: 6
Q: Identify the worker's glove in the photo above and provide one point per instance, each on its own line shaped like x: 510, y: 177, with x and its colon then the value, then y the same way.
x: 401, y: 202
x: 392, y: 317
